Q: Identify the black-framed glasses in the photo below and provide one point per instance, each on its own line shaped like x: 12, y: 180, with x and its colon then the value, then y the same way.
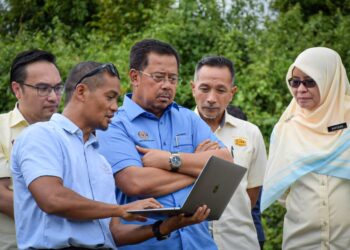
x: 308, y: 83
x: 44, y: 89
x: 109, y: 67
x: 162, y: 77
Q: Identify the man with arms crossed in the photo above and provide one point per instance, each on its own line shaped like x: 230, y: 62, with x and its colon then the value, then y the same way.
x: 151, y: 140
x: 63, y: 188
x: 36, y: 83
x: 213, y: 90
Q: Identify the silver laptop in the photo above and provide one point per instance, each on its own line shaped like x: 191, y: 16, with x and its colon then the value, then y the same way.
x: 214, y: 187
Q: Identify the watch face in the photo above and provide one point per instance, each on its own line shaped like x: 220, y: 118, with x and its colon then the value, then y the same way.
x: 176, y: 161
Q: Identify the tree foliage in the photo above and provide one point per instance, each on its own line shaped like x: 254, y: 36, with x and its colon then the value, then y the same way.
x: 261, y: 41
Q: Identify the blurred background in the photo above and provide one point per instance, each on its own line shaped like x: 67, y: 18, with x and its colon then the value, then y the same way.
x: 262, y: 38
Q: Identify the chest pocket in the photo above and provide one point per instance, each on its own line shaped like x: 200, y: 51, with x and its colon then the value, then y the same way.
x: 183, y: 143
x: 243, y: 157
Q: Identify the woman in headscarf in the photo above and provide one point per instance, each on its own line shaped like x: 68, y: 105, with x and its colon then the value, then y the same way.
x: 309, y: 160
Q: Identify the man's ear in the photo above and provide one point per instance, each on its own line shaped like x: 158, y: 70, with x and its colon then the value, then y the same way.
x: 134, y: 77
x: 233, y: 91
x: 193, y: 86
x: 81, y: 92
x: 17, y: 89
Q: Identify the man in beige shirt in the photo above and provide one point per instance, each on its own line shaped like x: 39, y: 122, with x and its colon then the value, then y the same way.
x: 213, y: 90
x: 37, y: 85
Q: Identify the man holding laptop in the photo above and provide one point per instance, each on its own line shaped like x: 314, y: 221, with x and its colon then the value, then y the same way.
x: 63, y: 188
x: 151, y: 141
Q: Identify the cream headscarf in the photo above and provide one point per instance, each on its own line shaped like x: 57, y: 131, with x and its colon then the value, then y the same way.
x: 300, y: 142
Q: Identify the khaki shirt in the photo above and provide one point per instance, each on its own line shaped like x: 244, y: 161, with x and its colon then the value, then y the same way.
x: 11, y: 124
x: 235, y: 229
x: 317, y: 214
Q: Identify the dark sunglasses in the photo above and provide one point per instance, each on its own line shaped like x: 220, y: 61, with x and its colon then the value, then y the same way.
x: 295, y: 83
x: 109, y: 67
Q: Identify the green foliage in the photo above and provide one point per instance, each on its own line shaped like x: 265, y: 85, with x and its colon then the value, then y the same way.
x: 261, y: 44
x: 272, y: 220
x: 39, y: 15
x: 120, y: 18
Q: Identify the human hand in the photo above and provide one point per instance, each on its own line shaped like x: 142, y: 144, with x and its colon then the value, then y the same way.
x: 155, y: 158
x: 179, y: 221
x: 140, y: 204
x: 207, y: 145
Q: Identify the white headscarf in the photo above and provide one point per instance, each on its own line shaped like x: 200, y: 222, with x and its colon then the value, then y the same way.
x: 300, y: 142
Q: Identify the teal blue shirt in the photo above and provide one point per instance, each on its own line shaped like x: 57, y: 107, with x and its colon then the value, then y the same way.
x: 56, y: 148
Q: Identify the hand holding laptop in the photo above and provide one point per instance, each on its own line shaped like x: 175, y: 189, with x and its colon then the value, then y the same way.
x: 176, y: 222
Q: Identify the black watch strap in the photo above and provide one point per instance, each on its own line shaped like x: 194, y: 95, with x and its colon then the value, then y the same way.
x: 156, y: 231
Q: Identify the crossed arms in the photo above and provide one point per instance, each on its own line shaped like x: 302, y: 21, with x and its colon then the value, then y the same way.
x: 156, y: 179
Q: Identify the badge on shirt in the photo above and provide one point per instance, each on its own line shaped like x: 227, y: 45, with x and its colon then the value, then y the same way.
x: 337, y: 127
x: 240, y: 141
x: 143, y: 135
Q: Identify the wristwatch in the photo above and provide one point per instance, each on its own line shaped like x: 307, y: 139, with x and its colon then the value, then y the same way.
x: 175, y: 162
x: 156, y: 231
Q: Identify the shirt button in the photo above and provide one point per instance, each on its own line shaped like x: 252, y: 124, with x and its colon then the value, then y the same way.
x: 324, y: 203
x: 164, y: 143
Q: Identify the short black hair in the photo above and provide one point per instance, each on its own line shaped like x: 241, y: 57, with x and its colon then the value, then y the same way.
x: 215, y: 61
x: 76, y: 73
x: 236, y: 112
x: 18, y: 68
x: 139, y: 52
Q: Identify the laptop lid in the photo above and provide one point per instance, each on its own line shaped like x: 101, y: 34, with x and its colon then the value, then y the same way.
x: 214, y: 187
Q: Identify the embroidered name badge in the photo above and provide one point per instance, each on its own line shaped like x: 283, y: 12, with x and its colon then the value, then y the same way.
x: 241, y: 142
x: 143, y: 135
x: 337, y: 127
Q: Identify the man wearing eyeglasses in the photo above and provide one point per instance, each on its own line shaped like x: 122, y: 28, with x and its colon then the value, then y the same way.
x: 150, y: 144
x: 36, y: 83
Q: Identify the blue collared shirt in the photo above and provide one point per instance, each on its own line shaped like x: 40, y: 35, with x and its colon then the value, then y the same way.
x: 177, y: 130
x: 56, y: 148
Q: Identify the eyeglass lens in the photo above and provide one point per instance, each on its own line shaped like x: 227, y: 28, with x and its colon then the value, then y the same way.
x: 295, y: 83
x: 45, y: 90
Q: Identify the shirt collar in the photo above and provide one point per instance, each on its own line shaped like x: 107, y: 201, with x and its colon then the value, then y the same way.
x: 72, y: 128
x: 133, y: 110
x: 228, y: 119
x: 17, y: 117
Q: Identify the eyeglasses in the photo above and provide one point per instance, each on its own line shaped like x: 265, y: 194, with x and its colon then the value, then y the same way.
x: 107, y: 66
x: 308, y: 83
x: 44, y: 89
x: 162, y: 77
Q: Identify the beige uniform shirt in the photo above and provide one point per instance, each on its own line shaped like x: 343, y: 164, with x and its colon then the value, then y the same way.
x: 235, y: 229
x: 317, y: 217
x: 11, y: 124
